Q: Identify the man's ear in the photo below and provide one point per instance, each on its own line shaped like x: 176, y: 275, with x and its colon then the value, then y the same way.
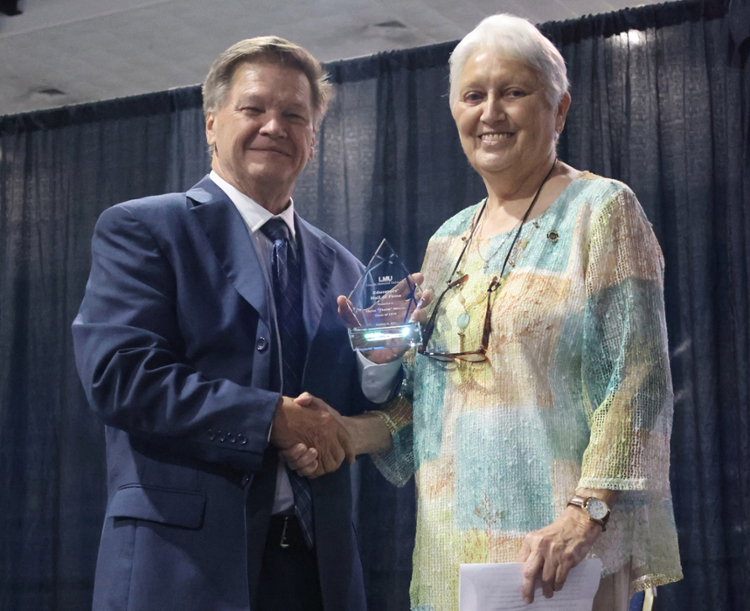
x: 210, y: 134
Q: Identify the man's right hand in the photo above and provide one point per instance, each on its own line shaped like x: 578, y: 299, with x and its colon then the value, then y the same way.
x: 314, y: 426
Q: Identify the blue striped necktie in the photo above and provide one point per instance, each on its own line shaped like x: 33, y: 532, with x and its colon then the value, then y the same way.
x: 287, y: 293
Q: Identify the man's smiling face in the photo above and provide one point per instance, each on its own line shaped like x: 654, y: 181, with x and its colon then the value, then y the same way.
x: 264, y: 133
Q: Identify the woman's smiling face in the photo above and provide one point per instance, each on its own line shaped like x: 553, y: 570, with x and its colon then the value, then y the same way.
x: 504, y: 118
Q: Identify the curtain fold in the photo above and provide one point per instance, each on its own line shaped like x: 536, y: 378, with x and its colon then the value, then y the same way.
x: 661, y: 100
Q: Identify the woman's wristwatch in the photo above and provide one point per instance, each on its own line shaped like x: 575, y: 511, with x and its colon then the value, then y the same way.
x: 597, y: 509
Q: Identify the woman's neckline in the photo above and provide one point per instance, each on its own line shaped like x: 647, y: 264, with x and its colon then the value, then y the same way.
x: 556, y: 202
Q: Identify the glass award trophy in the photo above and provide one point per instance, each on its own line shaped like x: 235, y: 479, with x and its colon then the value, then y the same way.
x: 382, y: 303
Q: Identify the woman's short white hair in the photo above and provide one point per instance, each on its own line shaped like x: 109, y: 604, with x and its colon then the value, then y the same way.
x: 516, y: 38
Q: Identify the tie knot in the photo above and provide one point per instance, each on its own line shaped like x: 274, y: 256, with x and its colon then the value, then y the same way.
x: 276, y: 229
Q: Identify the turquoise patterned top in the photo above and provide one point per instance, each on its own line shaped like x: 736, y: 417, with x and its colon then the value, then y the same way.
x: 577, y: 393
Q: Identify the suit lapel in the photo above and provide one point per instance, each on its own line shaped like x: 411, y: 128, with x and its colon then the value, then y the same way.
x: 319, y: 260
x: 229, y: 238
x: 227, y: 233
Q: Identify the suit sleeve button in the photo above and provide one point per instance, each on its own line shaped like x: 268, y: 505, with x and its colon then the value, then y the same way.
x: 242, y: 439
x: 261, y: 345
x: 211, y: 434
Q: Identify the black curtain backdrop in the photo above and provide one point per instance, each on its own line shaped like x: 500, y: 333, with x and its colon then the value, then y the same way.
x: 661, y: 100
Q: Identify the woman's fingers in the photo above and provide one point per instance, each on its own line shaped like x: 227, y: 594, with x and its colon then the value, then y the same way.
x: 524, y: 552
x: 549, y: 553
x: 561, y: 577
x: 531, y: 569
x: 549, y: 574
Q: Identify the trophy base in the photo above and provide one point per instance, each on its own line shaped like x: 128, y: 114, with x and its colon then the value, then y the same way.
x: 392, y: 336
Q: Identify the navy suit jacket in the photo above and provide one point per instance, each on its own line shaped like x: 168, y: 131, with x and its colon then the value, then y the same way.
x: 173, y: 346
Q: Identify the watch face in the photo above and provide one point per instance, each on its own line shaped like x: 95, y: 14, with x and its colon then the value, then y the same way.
x: 597, y: 508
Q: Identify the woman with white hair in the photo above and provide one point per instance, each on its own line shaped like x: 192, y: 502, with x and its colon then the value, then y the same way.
x: 537, y: 414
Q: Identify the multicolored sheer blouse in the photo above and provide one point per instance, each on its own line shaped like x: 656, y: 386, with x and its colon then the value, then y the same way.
x: 577, y: 393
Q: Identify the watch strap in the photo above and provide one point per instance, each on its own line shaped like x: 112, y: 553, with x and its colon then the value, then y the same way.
x: 582, y: 501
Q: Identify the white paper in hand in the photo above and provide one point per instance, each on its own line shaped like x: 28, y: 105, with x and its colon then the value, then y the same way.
x: 497, y: 587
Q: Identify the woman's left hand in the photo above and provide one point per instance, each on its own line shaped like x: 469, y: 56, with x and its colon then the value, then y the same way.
x: 549, y: 553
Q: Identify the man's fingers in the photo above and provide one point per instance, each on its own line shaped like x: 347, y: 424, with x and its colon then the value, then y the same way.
x: 346, y: 311
x: 305, y: 400
x: 301, y: 459
x: 293, y: 454
x: 309, y: 422
x: 312, y: 402
x: 308, y: 458
x: 307, y: 468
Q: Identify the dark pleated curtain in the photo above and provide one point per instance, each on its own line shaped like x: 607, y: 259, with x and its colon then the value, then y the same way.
x: 661, y: 100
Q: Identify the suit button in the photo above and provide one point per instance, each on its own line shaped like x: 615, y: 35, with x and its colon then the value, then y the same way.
x: 242, y: 439
x: 261, y: 344
x: 245, y: 480
x: 231, y: 438
x: 211, y: 434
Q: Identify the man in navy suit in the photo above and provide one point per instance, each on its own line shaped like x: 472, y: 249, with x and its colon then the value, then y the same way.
x: 178, y: 347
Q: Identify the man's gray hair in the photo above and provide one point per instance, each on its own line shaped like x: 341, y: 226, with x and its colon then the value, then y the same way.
x: 266, y: 50
x: 515, y: 38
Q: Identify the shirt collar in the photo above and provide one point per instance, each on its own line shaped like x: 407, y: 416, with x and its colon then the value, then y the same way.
x: 254, y: 215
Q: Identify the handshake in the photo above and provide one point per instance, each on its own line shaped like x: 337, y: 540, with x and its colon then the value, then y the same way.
x: 311, y: 436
